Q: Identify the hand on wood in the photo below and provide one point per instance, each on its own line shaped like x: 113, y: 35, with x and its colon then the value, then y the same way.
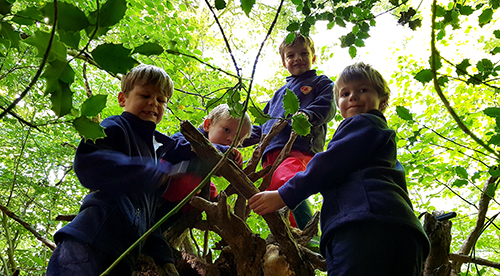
x: 266, y: 202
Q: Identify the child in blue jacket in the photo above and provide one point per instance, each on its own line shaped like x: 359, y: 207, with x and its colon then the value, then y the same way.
x: 127, y: 181
x: 315, y: 94
x: 367, y: 220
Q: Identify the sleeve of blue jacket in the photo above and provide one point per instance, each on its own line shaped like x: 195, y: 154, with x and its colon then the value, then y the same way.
x: 355, y: 139
x: 106, y: 165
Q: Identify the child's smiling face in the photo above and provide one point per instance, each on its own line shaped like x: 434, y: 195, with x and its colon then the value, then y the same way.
x: 357, y: 96
x: 298, y: 59
x: 145, y: 101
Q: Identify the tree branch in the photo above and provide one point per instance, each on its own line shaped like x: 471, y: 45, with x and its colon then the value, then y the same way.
x: 459, y: 258
x: 28, y: 227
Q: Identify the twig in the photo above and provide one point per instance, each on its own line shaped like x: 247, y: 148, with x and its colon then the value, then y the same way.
x: 28, y: 227
x: 40, y: 68
x: 459, y: 258
x: 281, y: 157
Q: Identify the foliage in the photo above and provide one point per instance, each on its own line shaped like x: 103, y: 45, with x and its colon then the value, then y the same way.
x: 61, y: 63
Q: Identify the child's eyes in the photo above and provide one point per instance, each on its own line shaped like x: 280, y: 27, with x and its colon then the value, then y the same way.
x: 227, y: 130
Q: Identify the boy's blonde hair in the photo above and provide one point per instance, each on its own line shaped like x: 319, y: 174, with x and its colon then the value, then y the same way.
x: 299, y: 40
x: 148, y: 75
x: 222, y: 111
x: 362, y: 71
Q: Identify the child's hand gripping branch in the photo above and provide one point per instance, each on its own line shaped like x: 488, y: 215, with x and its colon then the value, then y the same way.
x: 266, y: 202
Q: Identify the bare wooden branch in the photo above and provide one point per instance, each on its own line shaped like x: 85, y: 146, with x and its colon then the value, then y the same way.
x: 471, y: 240
x: 28, y: 227
x: 439, y: 233
x: 281, y: 157
x: 265, y: 140
x: 245, y: 187
x: 468, y: 259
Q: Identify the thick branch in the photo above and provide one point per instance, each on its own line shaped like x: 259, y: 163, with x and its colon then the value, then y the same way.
x: 467, y: 259
x: 245, y: 187
x: 28, y: 227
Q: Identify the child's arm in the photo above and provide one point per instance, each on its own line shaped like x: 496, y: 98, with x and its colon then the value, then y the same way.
x: 352, y: 145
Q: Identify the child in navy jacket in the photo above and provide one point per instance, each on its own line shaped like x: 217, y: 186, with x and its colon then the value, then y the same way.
x: 315, y: 94
x: 367, y: 220
x: 127, y: 181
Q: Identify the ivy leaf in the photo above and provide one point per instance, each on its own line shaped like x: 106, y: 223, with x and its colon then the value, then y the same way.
x: 301, y: 125
x: 352, y: 51
x: 93, y: 105
x: 493, y: 112
x: 404, y: 113
x: 114, y: 58
x: 40, y: 40
x: 220, y: 4
x: 494, y: 171
x: 57, y: 71
x: 290, y: 102
x: 247, y: 5
x: 149, y: 49
x: 485, y: 17
x: 89, y: 129
x: 461, y: 172
x: 62, y: 99
x: 462, y: 67
x: 5, y: 7
x: 459, y: 183
x: 424, y: 76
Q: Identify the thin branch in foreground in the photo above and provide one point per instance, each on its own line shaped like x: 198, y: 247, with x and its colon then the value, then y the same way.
x: 28, y: 227
x: 468, y: 259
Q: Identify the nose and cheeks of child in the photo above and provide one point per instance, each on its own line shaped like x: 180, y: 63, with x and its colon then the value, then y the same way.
x: 145, y: 101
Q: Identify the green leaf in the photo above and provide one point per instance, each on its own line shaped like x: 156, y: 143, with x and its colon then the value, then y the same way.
x: 41, y: 41
x: 93, y: 105
x: 462, y: 67
x: 340, y: 22
x: 70, y: 18
x: 297, y: 2
x: 88, y: 129
x: 9, y: 34
x: 301, y: 125
x: 72, y: 39
x: 424, y: 76
x: 112, y: 12
x: 485, y: 17
x: 494, y: 171
x: 28, y: 16
x: 149, y: 49
x: 404, y: 113
x: 347, y: 40
x: 220, y: 4
x: 56, y: 71
x: 62, y: 99
x: 493, y: 112
x: 290, y: 102
x: 352, y: 51
x: 258, y: 114
x: 491, y: 189
x: 289, y: 38
x: 461, y: 172
x: 495, y: 140
x: 292, y: 27
x: 114, y: 58
x: 5, y: 7
x: 459, y: 183
x: 497, y: 33
x: 247, y: 5
x: 466, y: 10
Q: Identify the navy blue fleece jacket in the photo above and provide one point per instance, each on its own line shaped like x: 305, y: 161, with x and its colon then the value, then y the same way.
x: 357, y: 178
x: 127, y: 181
x: 315, y: 94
